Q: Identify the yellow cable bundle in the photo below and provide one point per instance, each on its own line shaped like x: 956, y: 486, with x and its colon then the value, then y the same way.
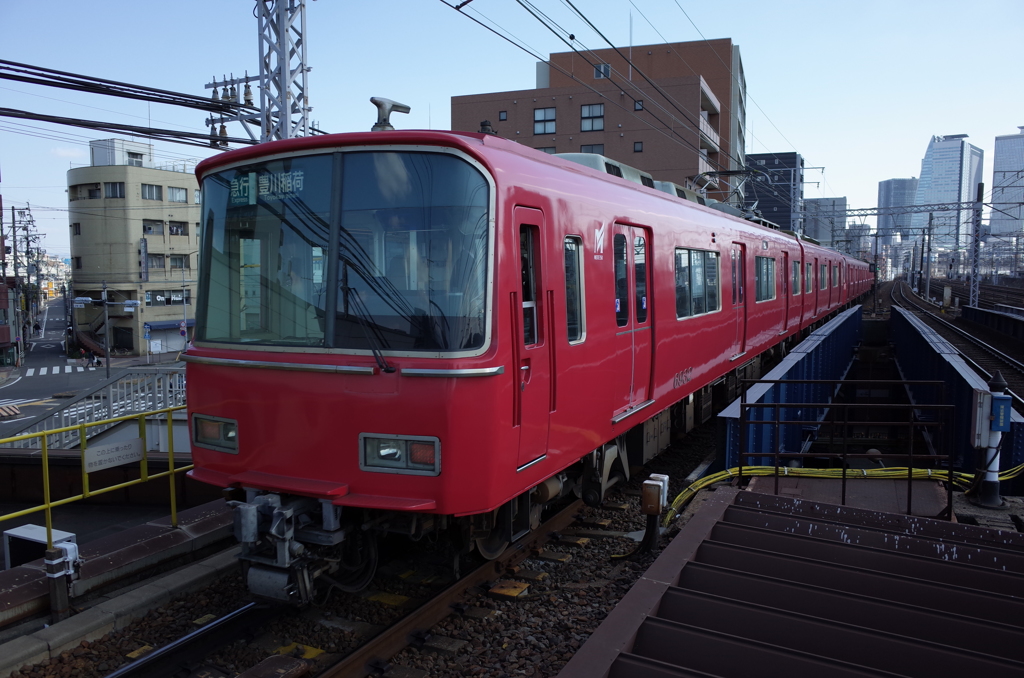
x: 962, y: 480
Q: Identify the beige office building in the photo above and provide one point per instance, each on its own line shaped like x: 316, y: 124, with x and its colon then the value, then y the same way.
x: 135, y: 228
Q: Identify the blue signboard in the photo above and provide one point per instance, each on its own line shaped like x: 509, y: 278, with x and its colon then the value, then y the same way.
x: 1001, y: 407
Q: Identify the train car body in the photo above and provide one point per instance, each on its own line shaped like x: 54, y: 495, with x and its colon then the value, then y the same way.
x: 410, y: 331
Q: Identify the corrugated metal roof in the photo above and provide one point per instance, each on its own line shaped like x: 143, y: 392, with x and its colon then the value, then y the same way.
x: 761, y: 585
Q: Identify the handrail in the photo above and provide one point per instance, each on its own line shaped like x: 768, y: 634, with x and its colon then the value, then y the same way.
x: 81, y: 428
x: 915, y: 419
x: 141, y: 390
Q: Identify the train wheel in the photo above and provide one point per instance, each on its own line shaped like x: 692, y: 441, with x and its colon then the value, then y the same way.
x: 492, y: 546
x: 359, y: 563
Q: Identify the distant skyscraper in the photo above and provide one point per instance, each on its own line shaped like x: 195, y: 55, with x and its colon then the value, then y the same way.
x: 895, y: 193
x: 826, y: 230
x: 950, y: 172
x: 1008, y: 184
x: 779, y: 192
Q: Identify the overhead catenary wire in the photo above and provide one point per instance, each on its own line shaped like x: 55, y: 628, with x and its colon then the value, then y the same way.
x: 667, y: 131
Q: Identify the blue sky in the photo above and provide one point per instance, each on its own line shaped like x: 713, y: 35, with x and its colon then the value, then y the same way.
x: 856, y: 87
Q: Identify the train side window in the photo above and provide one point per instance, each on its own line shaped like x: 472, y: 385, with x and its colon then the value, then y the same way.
x: 823, y: 277
x: 809, y: 277
x: 835, y: 276
x: 796, y: 278
x: 764, y: 278
x: 621, y: 281
x: 640, y: 268
x: 574, y: 317
x: 529, y: 270
x: 735, y: 285
x: 697, y: 288
x: 711, y: 280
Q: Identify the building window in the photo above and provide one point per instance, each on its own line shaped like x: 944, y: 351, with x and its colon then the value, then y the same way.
x: 764, y: 278
x: 198, y: 195
x: 502, y: 115
x: 550, y: 150
x: 76, y: 229
x: 94, y: 193
x: 177, y: 227
x: 592, y: 148
x: 175, y: 194
x: 78, y: 262
x: 114, y: 189
x: 543, y: 121
x: 179, y: 261
x: 175, y: 297
x: 696, y: 282
x: 151, y: 192
x: 149, y: 298
x: 155, y: 261
x: 592, y: 118
x: 574, y: 288
x: 152, y: 227
x: 602, y: 71
x: 135, y: 159
x: 638, y: 105
x: 638, y: 147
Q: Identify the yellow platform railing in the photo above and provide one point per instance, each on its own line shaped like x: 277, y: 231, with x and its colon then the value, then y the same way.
x: 142, y: 417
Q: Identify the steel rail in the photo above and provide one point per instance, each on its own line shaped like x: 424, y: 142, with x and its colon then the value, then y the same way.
x: 995, y: 353
x: 369, y: 658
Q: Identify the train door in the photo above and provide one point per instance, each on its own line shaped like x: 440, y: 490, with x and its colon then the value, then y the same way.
x: 737, y: 256
x: 533, y: 363
x: 817, y: 287
x: 785, y: 292
x: 633, y: 316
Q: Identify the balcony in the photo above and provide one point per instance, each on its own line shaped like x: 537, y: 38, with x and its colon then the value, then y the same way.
x: 708, y: 136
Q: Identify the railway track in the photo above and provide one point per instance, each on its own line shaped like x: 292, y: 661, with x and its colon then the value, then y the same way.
x: 983, y: 358
x: 989, y: 295
x: 190, y: 655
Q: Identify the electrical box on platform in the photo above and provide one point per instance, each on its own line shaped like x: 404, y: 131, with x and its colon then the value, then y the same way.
x: 28, y: 542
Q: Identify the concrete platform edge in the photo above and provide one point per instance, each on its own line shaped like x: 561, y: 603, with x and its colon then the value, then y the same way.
x: 115, y: 613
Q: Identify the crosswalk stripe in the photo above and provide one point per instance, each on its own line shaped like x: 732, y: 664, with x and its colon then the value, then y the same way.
x: 31, y: 371
x: 67, y: 369
x: 42, y: 371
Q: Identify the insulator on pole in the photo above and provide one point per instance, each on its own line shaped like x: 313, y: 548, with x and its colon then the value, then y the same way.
x: 216, y: 95
x: 247, y: 94
x: 234, y: 93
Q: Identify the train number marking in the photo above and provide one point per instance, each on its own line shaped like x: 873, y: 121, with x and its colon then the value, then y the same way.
x: 682, y: 377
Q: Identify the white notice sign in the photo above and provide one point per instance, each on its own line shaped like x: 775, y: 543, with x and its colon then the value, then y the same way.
x: 115, y: 454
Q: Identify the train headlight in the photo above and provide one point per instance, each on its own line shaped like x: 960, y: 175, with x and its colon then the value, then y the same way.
x: 215, y: 433
x: 416, y: 455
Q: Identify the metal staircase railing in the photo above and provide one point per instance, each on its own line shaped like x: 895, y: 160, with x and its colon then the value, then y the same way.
x: 140, y: 390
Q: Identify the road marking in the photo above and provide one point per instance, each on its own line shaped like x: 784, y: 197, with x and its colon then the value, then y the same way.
x: 67, y: 369
x: 31, y: 371
x: 42, y: 370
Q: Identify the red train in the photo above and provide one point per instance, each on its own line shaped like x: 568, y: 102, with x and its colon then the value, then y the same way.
x: 423, y: 332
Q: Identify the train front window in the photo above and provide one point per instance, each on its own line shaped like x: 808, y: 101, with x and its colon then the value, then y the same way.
x: 266, y: 237
x: 400, y: 263
x: 412, y: 254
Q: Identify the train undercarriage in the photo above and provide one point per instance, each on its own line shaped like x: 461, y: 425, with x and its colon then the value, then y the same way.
x: 294, y: 548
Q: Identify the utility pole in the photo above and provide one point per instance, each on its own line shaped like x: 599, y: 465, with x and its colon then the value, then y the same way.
x: 928, y: 257
x: 106, y: 327
x: 976, y: 248
x: 283, y: 78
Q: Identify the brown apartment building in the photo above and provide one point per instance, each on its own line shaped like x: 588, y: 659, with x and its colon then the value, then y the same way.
x: 689, y: 122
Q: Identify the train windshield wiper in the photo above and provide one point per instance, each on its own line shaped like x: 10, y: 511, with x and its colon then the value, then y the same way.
x: 372, y: 339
